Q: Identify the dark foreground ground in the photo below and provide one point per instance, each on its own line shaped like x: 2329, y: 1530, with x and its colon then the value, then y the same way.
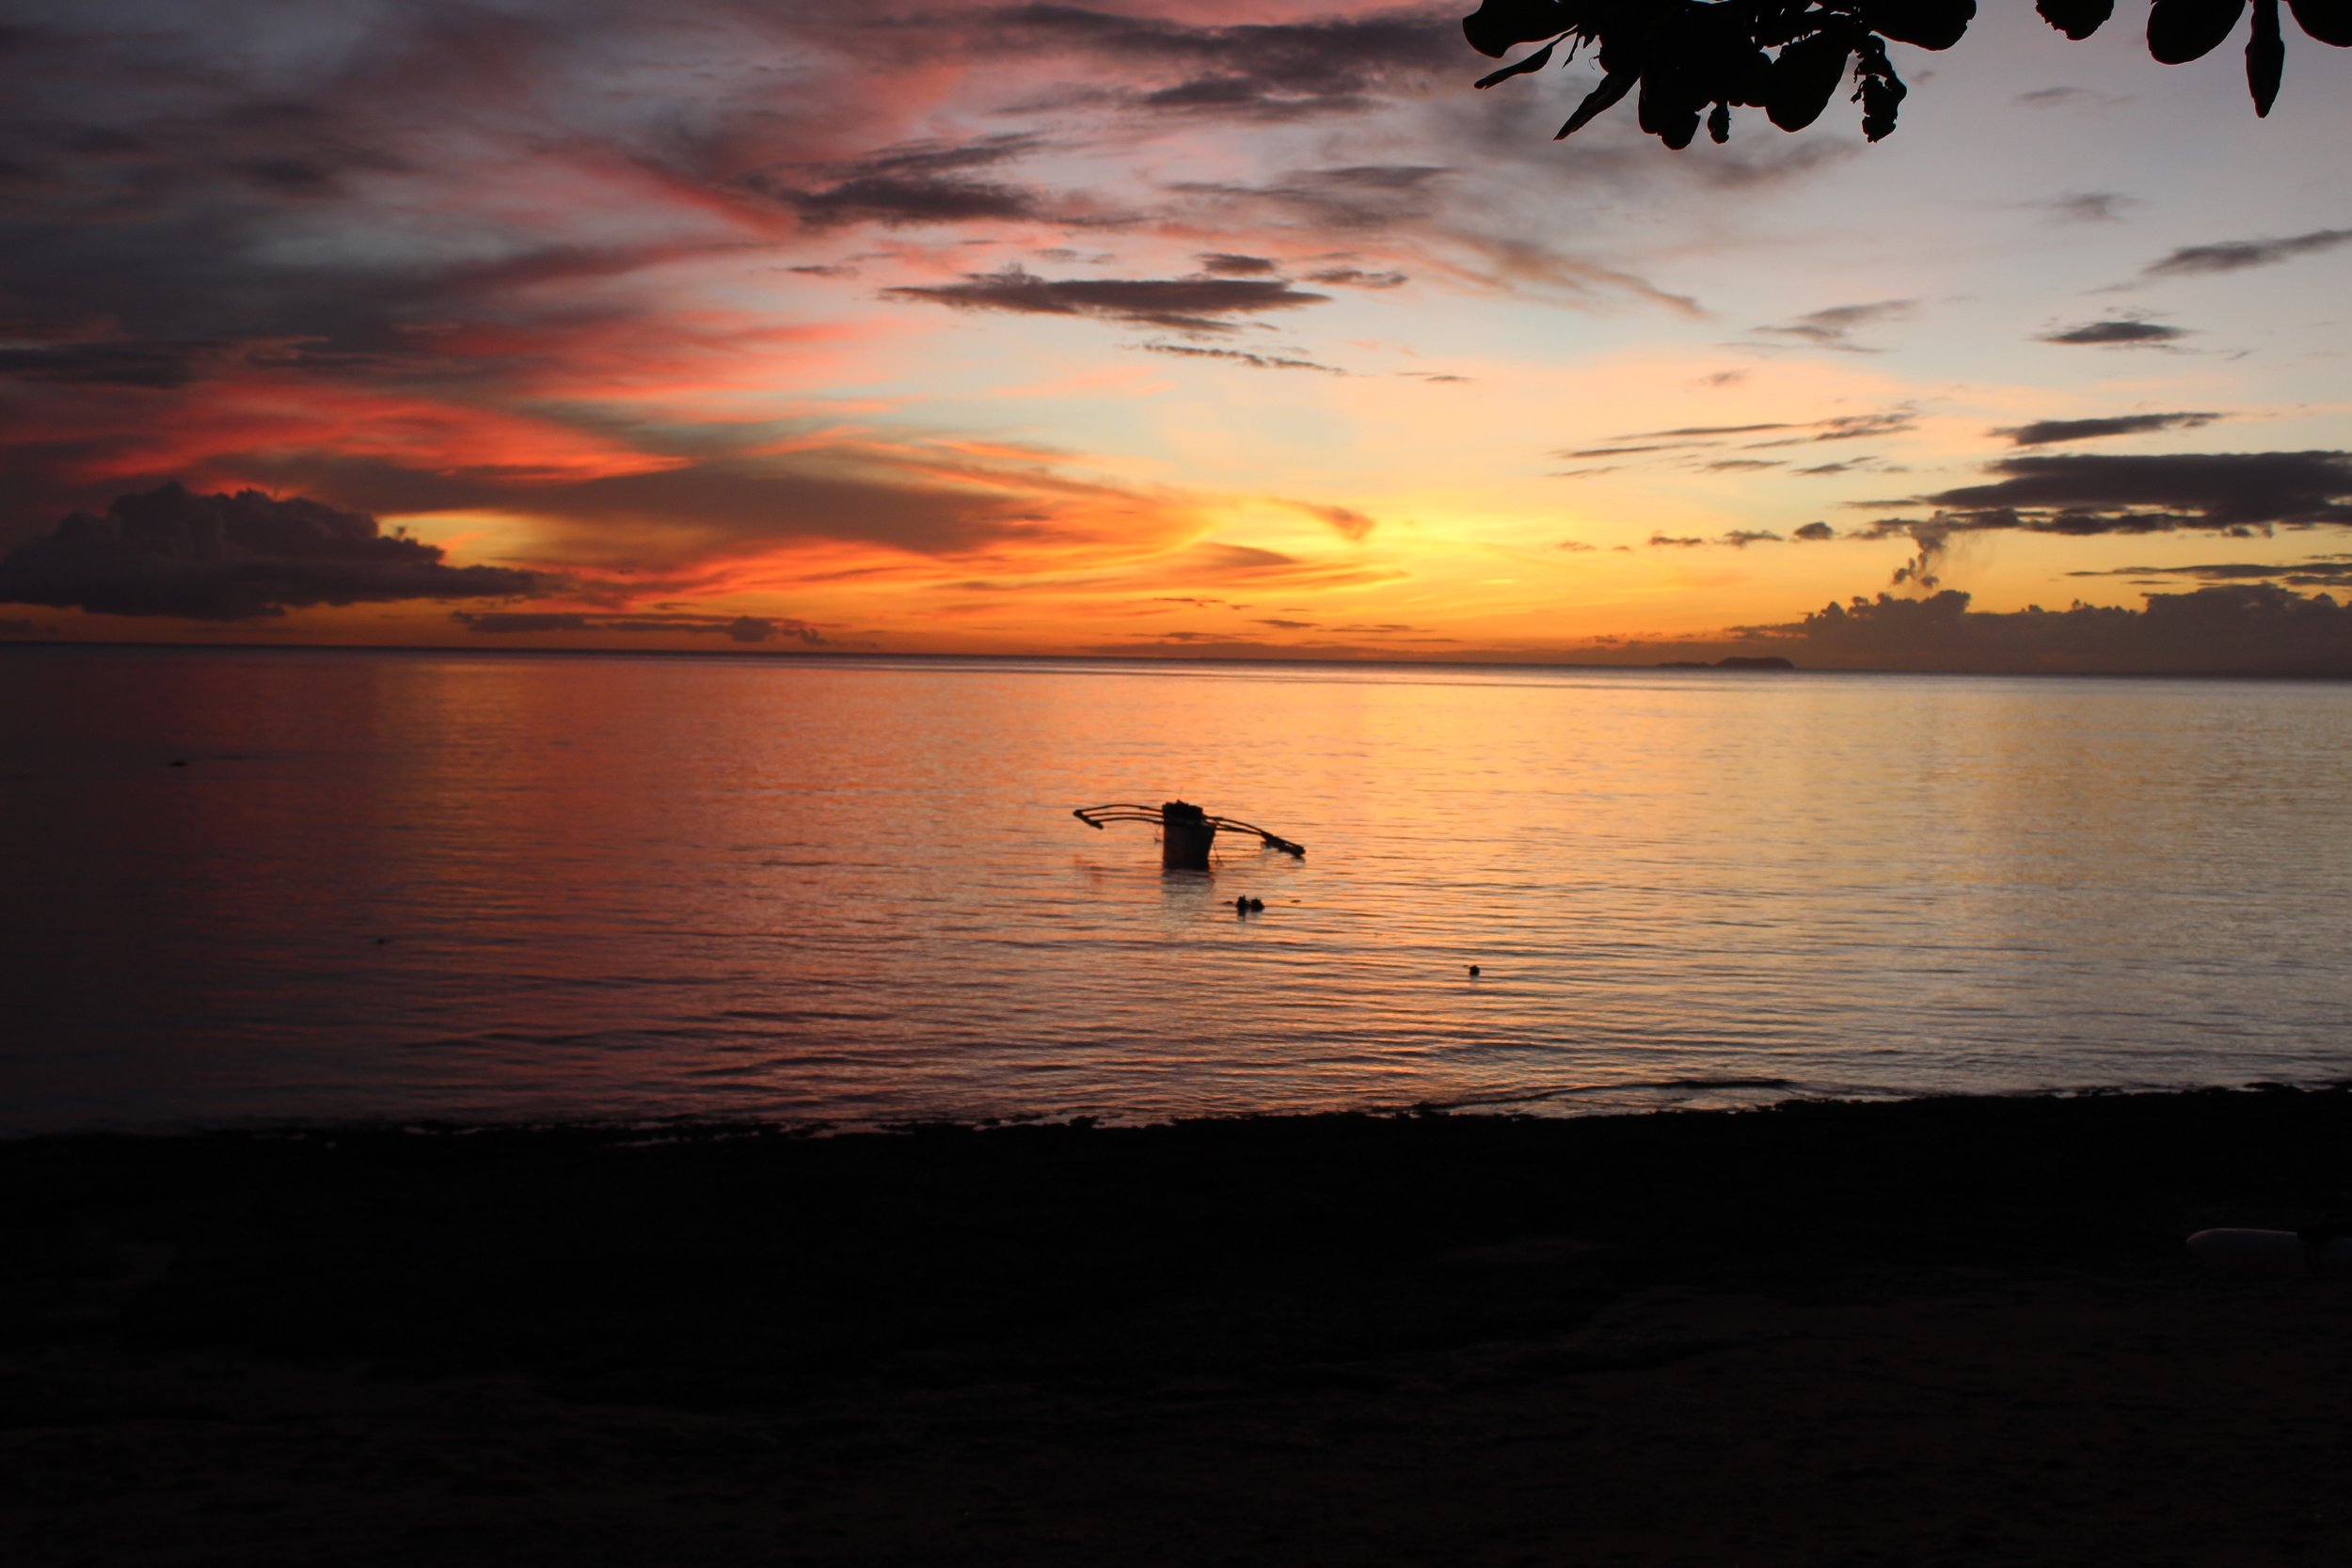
x: 1955, y: 1332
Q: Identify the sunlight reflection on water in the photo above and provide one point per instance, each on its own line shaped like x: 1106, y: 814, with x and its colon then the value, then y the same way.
x: 455, y: 884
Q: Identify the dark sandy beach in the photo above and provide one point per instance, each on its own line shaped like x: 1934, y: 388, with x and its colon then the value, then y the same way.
x: 1943, y: 1331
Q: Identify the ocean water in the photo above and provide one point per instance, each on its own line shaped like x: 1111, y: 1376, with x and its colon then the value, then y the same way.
x: 241, y: 885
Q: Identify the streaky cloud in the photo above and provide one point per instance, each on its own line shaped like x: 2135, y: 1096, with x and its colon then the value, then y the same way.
x: 2045, y: 433
x: 2086, y: 494
x: 2128, y: 332
x: 1190, y: 305
x: 2197, y: 260
x: 734, y: 628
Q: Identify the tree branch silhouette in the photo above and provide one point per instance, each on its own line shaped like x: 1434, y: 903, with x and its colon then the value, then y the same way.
x: 1692, y: 59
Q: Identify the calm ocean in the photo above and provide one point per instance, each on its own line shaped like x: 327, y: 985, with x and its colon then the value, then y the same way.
x: 514, y: 886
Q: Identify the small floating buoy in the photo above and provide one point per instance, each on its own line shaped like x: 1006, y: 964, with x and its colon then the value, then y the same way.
x: 1241, y: 905
x: 1256, y: 904
x: 1473, y: 972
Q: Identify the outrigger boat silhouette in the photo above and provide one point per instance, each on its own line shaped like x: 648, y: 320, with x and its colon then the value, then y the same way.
x: 1185, y: 831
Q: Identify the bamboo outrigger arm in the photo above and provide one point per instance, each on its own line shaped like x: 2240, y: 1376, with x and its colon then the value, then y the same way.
x: 1185, y: 831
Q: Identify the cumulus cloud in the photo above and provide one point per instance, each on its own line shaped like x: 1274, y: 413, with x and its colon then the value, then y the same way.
x: 1199, y: 304
x: 2250, y: 630
x: 2046, y: 433
x: 237, y: 557
x: 1814, y: 532
x: 2196, y: 261
x: 2129, y: 332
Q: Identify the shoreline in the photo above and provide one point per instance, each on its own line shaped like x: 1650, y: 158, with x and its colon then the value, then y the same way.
x: 1956, y: 1329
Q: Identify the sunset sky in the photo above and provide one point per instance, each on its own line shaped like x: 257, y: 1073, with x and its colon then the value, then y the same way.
x: 1169, y: 326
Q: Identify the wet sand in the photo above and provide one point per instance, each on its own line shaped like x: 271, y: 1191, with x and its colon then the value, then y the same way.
x: 1942, y: 1331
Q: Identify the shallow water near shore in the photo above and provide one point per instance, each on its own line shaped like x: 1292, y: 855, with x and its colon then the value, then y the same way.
x: 277, y: 884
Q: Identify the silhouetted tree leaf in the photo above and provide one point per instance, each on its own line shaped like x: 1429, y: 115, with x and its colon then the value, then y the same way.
x: 1613, y: 86
x: 1666, y: 109
x: 1497, y: 24
x: 1928, y: 23
x: 2329, y: 20
x: 2077, y: 19
x: 1808, y: 72
x: 1533, y: 62
x: 2184, y: 30
x: 2266, y: 51
x: 1687, y: 54
x: 1881, y: 92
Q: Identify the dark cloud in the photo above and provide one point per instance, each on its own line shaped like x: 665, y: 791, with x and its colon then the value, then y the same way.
x: 1225, y: 264
x: 1701, y: 432
x: 233, y: 558
x: 2054, y: 98
x: 1267, y: 71
x: 1176, y: 304
x: 1738, y: 539
x: 2046, y: 433
x: 925, y: 182
x: 1360, y: 199
x: 2095, y: 494
x: 2088, y: 206
x: 1255, y: 361
x: 1741, y: 465
x: 1862, y: 427
x: 2127, y: 332
x: 1576, y: 547
x: 115, y: 363
x: 1842, y: 427
x: 1288, y: 626
x: 2236, y: 255
x: 2321, y: 572
x: 734, y: 628
x: 1819, y: 469
x: 1834, y: 326
x: 1814, y: 532
x: 1355, y: 277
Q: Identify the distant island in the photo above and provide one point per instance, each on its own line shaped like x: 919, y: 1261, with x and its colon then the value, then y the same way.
x: 1737, y: 661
